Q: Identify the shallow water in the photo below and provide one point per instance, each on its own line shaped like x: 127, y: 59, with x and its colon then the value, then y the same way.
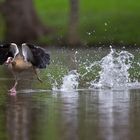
x: 74, y: 102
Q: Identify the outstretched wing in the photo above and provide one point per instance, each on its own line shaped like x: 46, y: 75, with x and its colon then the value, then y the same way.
x: 8, y: 50
x: 36, y: 55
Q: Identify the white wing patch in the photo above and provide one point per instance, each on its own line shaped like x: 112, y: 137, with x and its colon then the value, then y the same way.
x: 27, y: 54
x: 14, y: 49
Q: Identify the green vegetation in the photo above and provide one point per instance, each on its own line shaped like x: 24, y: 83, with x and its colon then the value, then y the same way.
x: 110, y: 21
x: 106, y: 21
x: 100, y: 22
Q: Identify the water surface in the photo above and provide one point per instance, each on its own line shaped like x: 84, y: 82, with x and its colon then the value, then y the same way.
x: 78, y: 100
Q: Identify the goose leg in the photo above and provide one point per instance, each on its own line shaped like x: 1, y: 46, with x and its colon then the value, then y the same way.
x: 13, y: 89
x: 39, y: 79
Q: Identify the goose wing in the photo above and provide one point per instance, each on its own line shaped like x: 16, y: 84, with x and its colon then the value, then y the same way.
x: 36, y: 55
x: 8, y: 50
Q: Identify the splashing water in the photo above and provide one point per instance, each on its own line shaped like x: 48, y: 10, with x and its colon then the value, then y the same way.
x: 114, y: 70
x: 70, y: 81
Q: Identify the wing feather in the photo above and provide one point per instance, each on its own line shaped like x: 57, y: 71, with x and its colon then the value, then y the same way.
x: 7, y: 50
x: 27, y: 54
x: 40, y: 57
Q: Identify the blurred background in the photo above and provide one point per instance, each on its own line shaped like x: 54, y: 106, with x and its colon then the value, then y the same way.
x: 86, y: 93
x: 70, y: 22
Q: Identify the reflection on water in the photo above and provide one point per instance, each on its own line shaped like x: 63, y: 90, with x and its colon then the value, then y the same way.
x: 114, y: 114
x: 79, y: 113
x: 18, y: 119
x: 96, y: 114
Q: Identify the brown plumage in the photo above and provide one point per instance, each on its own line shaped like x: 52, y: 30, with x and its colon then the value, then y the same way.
x: 18, y: 60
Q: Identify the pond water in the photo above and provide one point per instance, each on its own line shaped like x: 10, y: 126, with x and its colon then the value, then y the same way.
x: 86, y: 94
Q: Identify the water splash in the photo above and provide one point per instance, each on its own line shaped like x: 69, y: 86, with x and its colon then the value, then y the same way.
x: 70, y: 81
x: 114, y: 70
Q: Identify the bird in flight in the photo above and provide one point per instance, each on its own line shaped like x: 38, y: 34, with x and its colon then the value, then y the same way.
x: 22, y: 58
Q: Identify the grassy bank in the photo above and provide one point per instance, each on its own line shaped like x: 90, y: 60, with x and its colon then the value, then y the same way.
x: 101, y: 21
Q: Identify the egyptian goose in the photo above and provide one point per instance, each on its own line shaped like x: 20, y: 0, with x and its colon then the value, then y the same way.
x: 21, y: 59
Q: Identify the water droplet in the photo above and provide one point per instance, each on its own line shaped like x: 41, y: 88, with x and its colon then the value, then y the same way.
x: 89, y: 33
x: 105, y: 23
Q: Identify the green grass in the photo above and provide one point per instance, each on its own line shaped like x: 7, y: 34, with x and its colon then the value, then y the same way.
x: 110, y: 21
x: 54, y: 14
x: 101, y: 21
